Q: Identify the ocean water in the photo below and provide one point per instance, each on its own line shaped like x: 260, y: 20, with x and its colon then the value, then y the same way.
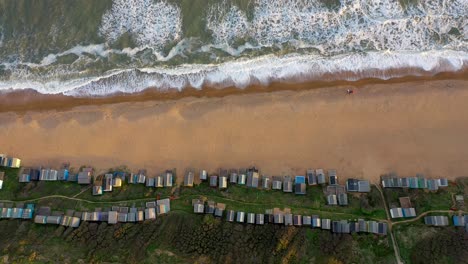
x: 97, y: 48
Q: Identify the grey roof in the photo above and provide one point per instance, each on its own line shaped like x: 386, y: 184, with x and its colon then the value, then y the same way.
x: 306, y: 220
x: 223, y: 182
x: 233, y: 176
x: 277, y: 185
x: 240, y: 217
x: 326, y: 224
x: 241, y: 178
x: 279, y: 218
x: 320, y: 176
x: 219, y: 212
x: 443, y: 182
x: 251, y: 218
x: 260, y: 219
x: 311, y: 177
x: 317, y: 222
x: 266, y: 182
x: 343, y: 199
x: 203, y: 175
x: 297, y: 220
x: 352, y: 185
x: 439, y: 220
x: 189, y: 177
x: 198, y: 208
x: 300, y: 188
x: 333, y: 178
x: 409, y: 212
x: 331, y: 199
x: 213, y: 181
x: 112, y: 217
x: 432, y: 184
x: 396, y: 212
x: 230, y: 215
x: 363, y: 186
x: 253, y: 178
x: 288, y: 219
x: 287, y: 184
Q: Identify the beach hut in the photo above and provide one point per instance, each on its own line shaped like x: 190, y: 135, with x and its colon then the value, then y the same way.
x: 343, y: 199
x: 230, y: 215
x: 203, y: 175
x: 320, y: 176
x: 432, y: 185
x: 277, y: 183
x: 210, y: 207
x: 150, y: 181
x: 250, y: 218
x: 332, y: 177
x: 242, y: 177
x: 213, y: 181
x: 266, y: 182
x: 198, y: 207
x: 311, y: 177
x: 168, y: 178
x: 253, y: 178
x: 396, y: 212
x: 278, y: 218
x: 188, y: 179
x: 439, y: 220
x: 233, y: 176
x: 306, y: 220
x: 219, y: 209
x: 240, y: 217
x: 159, y: 181
x: 84, y: 177
x: 288, y: 219
x: 163, y: 206
x: 297, y: 220
x: 223, y: 182
x: 320, y: 223
x: 108, y: 180
x: 409, y: 212
x: 260, y: 219
x: 287, y: 184
x: 443, y: 182
x: 331, y: 199
x: 112, y: 217
x: 150, y: 213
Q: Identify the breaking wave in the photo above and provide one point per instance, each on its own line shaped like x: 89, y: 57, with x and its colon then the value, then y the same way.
x: 281, y: 40
x: 261, y: 70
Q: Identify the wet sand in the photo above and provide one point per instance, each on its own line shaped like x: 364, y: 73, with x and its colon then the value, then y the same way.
x: 407, y: 126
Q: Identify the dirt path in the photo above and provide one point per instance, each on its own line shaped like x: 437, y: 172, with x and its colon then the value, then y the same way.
x: 389, y: 221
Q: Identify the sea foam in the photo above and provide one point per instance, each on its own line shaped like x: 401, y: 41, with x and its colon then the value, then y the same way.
x: 152, y: 23
x: 260, y: 70
x: 281, y: 40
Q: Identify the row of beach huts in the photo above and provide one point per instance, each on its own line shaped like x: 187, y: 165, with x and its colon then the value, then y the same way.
x: 71, y: 218
x: 286, y: 218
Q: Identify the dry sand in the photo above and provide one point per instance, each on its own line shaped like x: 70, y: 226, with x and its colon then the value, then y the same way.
x: 408, y: 128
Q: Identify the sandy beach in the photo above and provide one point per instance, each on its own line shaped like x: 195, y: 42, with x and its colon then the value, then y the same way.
x: 404, y: 127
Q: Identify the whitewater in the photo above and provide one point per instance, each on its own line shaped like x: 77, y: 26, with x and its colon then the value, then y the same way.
x: 235, y: 46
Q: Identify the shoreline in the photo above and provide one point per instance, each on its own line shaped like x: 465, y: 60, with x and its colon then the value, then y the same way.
x: 22, y: 101
x: 408, y: 128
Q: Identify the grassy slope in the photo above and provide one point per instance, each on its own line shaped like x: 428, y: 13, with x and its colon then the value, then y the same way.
x: 185, y: 238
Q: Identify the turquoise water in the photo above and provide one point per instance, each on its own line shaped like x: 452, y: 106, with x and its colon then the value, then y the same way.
x: 96, y: 48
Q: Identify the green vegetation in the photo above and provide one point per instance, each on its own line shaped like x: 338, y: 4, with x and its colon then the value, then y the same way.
x: 419, y: 243
x: 184, y: 238
x: 423, y: 200
x: 237, y: 197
